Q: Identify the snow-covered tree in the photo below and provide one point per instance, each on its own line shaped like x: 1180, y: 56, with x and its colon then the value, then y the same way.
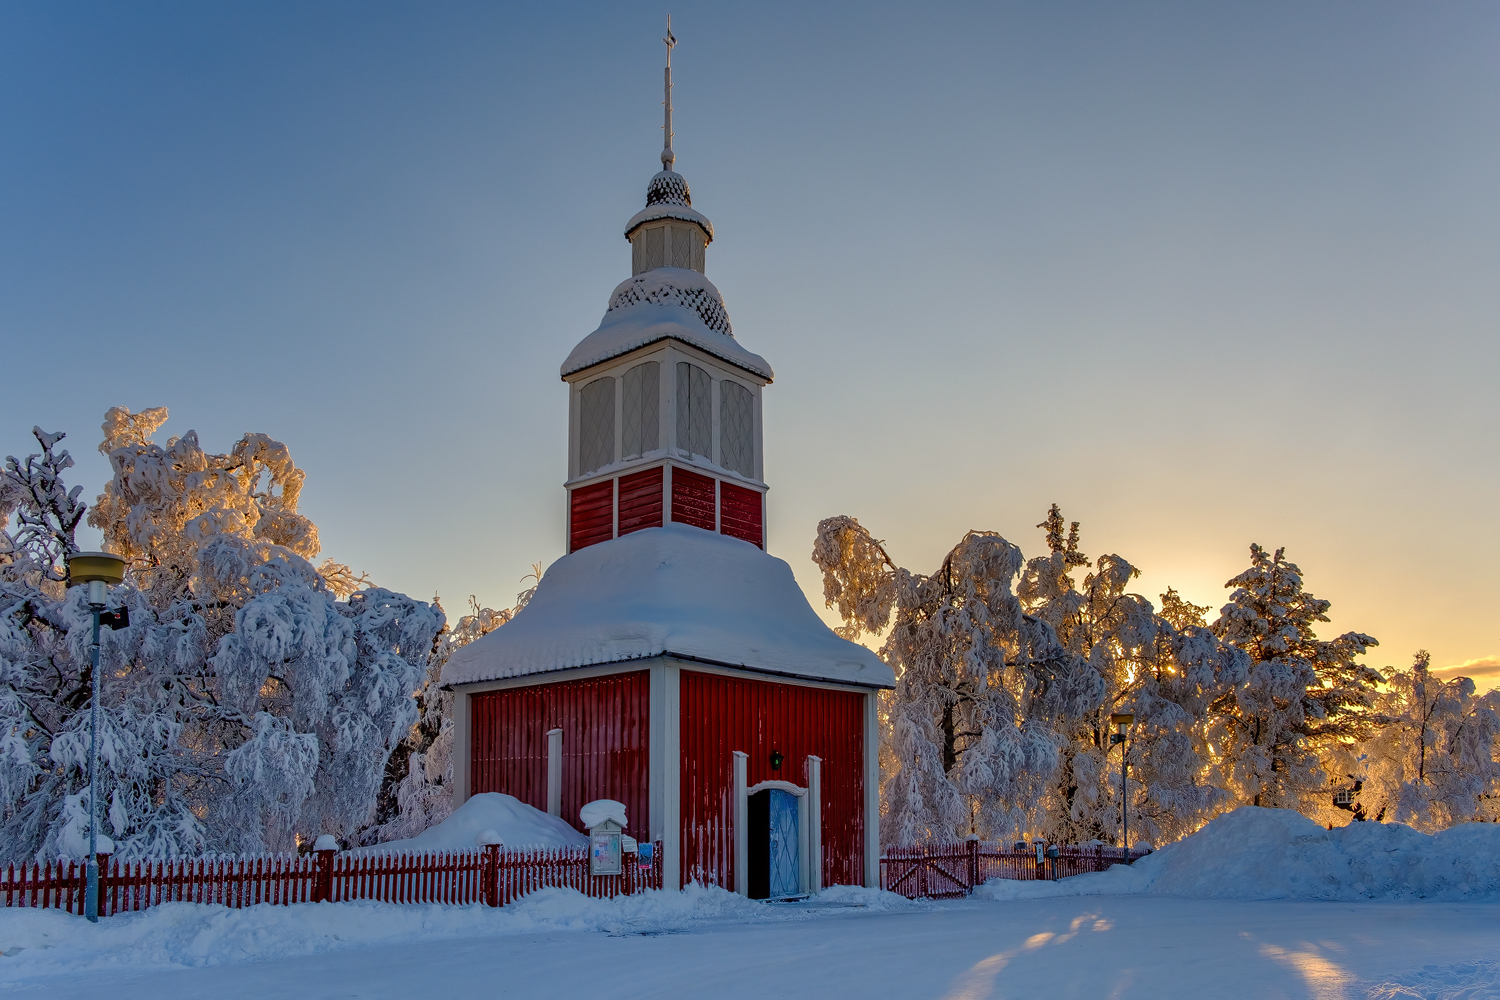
x: 1164, y: 672
x: 1305, y: 702
x: 1434, y: 762
x: 246, y: 706
x: 418, y: 788
x: 982, y: 689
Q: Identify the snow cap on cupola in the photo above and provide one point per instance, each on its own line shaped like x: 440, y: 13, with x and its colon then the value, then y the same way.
x: 668, y: 295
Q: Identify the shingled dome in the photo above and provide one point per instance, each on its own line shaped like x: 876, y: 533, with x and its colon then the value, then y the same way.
x: 667, y: 197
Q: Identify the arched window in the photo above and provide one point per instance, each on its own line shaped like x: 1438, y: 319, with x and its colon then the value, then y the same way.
x: 694, y: 417
x: 736, y: 428
x: 596, y: 425
x: 640, y: 426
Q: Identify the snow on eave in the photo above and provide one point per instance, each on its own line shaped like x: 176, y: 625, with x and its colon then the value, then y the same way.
x: 624, y: 330
x: 651, y: 213
x: 670, y: 591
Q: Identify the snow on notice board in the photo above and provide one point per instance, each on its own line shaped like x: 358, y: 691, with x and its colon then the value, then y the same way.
x: 599, y: 810
x: 673, y: 590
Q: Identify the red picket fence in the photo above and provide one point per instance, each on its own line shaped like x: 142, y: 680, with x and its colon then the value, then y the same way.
x: 943, y: 871
x: 490, y: 875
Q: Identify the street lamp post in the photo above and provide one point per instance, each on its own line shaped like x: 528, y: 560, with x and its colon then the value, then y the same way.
x: 1121, y: 722
x: 98, y: 571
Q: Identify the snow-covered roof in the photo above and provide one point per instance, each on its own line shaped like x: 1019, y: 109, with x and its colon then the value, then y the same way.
x: 674, y: 302
x: 675, y: 591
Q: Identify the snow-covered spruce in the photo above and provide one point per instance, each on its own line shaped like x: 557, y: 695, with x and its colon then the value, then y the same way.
x: 1293, y: 722
x: 245, y: 704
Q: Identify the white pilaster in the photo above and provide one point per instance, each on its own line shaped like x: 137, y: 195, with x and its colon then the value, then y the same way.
x: 815, y: 823
x: 463, y: 748
x: 554, y: 772
x: 741, y: 822
x: 666, y: 770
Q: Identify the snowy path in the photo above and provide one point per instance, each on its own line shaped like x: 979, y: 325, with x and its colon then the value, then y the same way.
x: 1093, y: 947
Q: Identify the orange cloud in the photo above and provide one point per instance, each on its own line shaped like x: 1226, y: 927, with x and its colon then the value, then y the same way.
x: 1485, y: 672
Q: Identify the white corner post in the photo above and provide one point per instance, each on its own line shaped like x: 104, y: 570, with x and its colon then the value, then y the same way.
x: 814, y: 823
x: 554, y: 772
x: 741, y: 825
x: 666, y: 769
x: 872, y: 791
x: 463, y: 747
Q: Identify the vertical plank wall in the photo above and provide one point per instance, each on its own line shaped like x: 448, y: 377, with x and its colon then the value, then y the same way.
x: 723, y: 714
x: 606, y: 724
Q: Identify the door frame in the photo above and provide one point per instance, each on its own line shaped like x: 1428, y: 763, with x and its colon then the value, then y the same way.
x: 742, y: 834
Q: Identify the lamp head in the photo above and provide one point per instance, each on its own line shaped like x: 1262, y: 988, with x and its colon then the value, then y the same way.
x: 1121, y: 721
x: 98, y: 570
x: 776, y: 759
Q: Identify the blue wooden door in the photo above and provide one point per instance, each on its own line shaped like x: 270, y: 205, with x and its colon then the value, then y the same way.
x: 784, y: 880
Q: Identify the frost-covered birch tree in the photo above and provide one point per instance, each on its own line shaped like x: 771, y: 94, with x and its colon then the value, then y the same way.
x: 1166, y: 671
x: 253, y: 700
x: 982, y: 689
x: 1305, y: 702
x: 1436, y: 760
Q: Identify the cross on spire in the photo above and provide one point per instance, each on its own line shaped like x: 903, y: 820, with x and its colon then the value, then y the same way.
x: 667, y: 156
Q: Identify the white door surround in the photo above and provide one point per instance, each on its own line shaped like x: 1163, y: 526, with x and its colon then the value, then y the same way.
x: 809, y: 829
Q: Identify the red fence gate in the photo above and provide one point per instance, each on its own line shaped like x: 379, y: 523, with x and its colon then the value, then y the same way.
x: 944, y: 871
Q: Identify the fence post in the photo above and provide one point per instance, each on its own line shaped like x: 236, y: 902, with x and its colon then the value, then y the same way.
x: 971, y: 844
x: 492, y: 874
x: 103, y: 910
x: 326, y: 847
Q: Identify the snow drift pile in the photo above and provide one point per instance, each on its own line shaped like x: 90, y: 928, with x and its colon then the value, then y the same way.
x: 1278, y: 854
x: 513, y: 821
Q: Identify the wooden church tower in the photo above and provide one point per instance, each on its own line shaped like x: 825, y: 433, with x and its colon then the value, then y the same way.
x: 668, y: 661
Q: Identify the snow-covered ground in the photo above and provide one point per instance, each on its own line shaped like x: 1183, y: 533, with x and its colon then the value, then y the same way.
x: 1151, y: 932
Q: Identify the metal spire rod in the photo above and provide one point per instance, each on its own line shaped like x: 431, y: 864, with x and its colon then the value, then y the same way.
x: 667, y: 156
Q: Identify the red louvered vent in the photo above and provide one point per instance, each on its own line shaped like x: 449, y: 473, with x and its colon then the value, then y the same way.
x: 593, y: 515
x: 693, y: 499
x: 740, y: 514
x: 640, y: 501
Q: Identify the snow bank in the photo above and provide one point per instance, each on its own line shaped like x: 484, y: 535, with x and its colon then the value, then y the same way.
x: 518, y: 824
x: 39, y: 943
x: 673, y: 590
x: 1278, y: 854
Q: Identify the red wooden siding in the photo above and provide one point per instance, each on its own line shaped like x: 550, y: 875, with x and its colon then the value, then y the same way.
x: 723, y: 714
x: 693, y: 499
x: 593, y: 515
x: 640, y: 501
x: 606, y: 724
x: 740, y: 513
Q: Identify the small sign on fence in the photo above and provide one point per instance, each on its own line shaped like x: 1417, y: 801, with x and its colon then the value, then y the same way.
x: 644, y: 856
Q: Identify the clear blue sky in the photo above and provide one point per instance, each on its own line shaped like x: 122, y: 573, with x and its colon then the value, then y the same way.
x: 1202, y: 274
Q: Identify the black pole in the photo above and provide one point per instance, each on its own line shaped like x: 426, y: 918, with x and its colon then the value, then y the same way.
x: 1124, y: 805
x: 91, y: 889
